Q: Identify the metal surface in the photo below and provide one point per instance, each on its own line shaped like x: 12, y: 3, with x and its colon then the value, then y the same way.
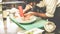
x: 12, y: 2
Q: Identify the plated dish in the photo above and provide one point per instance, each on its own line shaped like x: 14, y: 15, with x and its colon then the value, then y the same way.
x: 31, y: 19
x: 20, y: 20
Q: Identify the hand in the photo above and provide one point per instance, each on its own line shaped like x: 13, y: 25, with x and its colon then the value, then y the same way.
x: 27, y: 8
x: 27, y: 16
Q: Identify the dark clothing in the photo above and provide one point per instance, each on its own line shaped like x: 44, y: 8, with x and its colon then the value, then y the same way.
x: 4, y: 19
x: 56, y: 19
x: 37, y: 9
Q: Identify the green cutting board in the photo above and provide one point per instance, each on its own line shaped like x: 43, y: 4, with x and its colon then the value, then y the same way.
x: 37, y: 24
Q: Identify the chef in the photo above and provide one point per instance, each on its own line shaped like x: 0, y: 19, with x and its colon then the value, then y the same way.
x: 52, y: 11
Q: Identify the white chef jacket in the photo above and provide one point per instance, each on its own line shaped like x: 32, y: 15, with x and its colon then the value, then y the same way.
x: 50, y: 6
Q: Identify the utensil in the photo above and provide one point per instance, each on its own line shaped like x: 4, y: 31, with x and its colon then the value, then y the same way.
x: 21, y: 11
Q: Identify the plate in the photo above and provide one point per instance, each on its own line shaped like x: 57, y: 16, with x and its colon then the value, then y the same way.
x: 19, y: 20
x: 50, y: 26
x: 32, y: 19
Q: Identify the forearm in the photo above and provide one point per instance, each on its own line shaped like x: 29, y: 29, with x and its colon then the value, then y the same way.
x: 40, y: 14
x: 43, y: 15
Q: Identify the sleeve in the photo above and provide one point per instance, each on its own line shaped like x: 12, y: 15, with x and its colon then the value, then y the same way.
x: 50, y: 8
x: 41, y: 4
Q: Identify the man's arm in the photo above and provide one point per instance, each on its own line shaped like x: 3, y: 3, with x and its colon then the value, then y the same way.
x: 38, y: 14
x: 50, y: 8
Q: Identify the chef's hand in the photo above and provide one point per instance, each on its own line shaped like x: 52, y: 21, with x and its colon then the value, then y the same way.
x: 27, y: 8
x: 27, y: 16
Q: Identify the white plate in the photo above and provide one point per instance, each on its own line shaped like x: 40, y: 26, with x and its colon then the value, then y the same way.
x: 19, y: 20
x: 32, y: 19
